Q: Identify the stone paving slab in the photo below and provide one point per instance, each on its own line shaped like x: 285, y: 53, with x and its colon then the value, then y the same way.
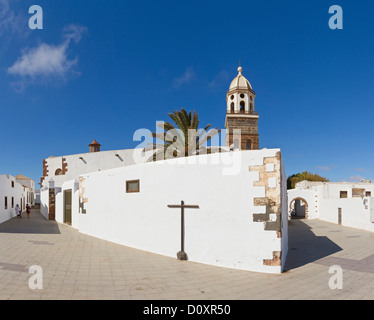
x: 79, y: 267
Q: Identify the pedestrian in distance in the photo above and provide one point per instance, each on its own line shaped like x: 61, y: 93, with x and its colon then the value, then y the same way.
x: 18, y: 211
x: 28, y: 209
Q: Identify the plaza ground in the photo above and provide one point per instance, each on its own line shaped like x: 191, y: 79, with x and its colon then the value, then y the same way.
x: 76, y: 266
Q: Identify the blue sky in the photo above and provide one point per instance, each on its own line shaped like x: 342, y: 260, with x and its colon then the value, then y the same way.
x: 103, y: 69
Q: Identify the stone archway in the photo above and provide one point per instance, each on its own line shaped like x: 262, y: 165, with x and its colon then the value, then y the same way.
x: 294, y: 202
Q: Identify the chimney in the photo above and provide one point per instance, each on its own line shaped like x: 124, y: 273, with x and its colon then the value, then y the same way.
x: 94, y: 146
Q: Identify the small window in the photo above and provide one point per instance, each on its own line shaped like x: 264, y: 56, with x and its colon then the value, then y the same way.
x: 58, y: 172
x: 232, y: 97
x: 368, y: 194
x: 232, y: 107
x: 6, y: 203
x: 249, y: 145
x: 12, y: 202
x: 132, y: 186
x: 242, y: 107
x: 12, y: 184
x: 242, y: 96
x: 358, y: 192
x: 343, y: 194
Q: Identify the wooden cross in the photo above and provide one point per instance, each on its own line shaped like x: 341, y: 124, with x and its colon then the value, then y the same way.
x: 181, y: 255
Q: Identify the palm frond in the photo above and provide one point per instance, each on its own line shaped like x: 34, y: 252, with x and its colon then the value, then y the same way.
x: 183, y: 138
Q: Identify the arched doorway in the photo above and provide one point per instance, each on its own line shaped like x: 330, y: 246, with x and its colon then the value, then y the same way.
x: 299, y: 209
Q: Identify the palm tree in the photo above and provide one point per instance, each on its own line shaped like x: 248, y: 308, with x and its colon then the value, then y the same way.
x: 181, y: 139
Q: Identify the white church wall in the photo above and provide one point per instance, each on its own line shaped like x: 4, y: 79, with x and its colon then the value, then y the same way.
x: 59, y: 206
x: 230, y: 229
x: 72, y: 166
x: 333, y: 189
x: 355, y: 212
x: 44, y: 202
x: 284, y: 212
x: 309, y: 197
x: 324, y: 199
x: 371, y: 206
x: 75, y: 209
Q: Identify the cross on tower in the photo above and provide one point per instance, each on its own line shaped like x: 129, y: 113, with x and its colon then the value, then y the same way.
x: 181, y: 255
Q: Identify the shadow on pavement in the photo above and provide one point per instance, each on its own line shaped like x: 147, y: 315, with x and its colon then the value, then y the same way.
x: 37, y: 224
x: 305, y: 247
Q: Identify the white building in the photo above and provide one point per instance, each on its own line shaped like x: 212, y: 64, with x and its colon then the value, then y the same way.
x: 29, y: 185
x: 11, y: 194
x: 346, y: 203
x: 242, y: 219
x: 58, y: 170
x: 37, y: 197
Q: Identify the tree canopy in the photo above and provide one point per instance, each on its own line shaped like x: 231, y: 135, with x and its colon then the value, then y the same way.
x: 295, y: 178
x: 183, y: 138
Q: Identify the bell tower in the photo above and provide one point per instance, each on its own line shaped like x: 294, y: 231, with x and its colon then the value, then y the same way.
x: 241, y: 115
x: 94, y: 146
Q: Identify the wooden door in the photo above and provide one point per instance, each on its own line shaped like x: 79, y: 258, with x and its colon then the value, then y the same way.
x: 67, y: 206
x: 52, y: 199
x: 340, y: 216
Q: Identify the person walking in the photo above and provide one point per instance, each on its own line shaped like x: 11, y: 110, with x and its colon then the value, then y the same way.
x: 18, y: 211
x: 28, y: 209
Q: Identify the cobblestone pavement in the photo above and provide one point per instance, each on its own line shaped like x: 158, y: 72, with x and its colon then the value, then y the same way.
x: 76, y: 266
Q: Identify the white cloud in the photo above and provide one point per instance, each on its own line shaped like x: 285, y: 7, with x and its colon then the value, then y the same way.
x: 46, y: 61
x: 185, y: 78
x: 356, y: 178
x: 9, y: 20
x: 43, y: 61
x: 326, y: 168
x: 7, y: 16
x: 74, y: 32
x: 221, y: 78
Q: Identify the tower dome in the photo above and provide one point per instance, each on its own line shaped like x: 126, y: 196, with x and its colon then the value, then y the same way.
x: 240, y: 82
x: 240, y: 96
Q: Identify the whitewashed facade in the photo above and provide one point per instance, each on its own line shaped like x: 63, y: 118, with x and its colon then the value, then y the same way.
x: 346, y: 203
x: 29, y: 185
x: 59, y: 170
x: 233, y: 191
x: 11, y: 194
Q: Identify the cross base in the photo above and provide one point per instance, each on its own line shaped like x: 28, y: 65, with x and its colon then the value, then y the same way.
x: 181, y: 255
